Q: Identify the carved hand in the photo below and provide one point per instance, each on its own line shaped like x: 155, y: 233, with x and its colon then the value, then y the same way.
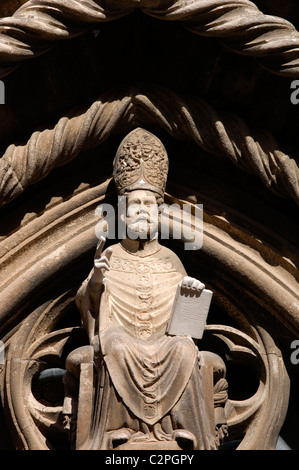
x: 192, y: 284
x: 101, y: 263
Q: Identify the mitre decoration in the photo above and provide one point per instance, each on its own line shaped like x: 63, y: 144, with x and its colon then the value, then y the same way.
x: 141, y: 162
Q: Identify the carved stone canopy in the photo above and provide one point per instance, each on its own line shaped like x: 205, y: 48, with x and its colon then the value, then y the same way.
x: 53, y: 179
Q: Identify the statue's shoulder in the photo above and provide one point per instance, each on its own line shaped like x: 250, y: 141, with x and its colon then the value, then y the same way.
x: 166, y: 253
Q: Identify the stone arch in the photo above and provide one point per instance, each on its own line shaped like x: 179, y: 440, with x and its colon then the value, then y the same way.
x: 56, y: 245
x: 241, y: 27
x: 50, y: 246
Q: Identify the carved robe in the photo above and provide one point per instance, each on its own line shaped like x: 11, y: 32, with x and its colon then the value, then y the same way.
x: 151, y: 383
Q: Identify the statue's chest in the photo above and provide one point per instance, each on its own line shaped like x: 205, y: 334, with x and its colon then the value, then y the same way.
x: 142, y: 278
x: 141, y: 293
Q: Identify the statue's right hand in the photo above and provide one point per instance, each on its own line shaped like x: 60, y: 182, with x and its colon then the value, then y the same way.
x: 101, y: 263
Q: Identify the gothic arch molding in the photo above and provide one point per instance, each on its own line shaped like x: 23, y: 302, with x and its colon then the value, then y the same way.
x: 188, y: 118
x: 64, y: 238
x: 243, y: 28
x: 256, y: 282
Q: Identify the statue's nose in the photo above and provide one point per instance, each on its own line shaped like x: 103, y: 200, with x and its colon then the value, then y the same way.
x: 142, y: 209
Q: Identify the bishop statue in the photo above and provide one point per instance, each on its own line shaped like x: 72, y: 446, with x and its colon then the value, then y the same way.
x: 150, y: 387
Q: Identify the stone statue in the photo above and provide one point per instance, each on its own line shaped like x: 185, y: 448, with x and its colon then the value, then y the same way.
x: 150, y: 389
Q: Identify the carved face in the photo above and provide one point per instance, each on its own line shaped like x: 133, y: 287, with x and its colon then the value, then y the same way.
x: 142, y: 217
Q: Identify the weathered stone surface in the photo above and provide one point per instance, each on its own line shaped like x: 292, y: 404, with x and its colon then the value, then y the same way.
x: 249, y: 257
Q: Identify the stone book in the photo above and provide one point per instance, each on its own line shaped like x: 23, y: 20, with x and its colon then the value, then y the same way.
x: 189, y: 313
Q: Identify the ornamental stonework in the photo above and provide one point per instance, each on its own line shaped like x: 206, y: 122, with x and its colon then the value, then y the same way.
x: 131, y: 341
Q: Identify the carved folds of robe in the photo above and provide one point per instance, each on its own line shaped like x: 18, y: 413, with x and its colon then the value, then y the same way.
x: 150, y: 383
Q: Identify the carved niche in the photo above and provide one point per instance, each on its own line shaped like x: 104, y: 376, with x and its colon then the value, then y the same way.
x: 54, y: 178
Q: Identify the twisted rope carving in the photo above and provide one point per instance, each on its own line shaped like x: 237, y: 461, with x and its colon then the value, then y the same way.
x: 37, y: 26
x: 189, y: 119
x: 220, y: 392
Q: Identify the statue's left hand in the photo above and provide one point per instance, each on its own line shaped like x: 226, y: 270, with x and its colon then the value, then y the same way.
x: 192, y: 284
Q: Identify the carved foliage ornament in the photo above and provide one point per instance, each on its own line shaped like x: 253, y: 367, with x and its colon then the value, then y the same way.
x: 40, y: 346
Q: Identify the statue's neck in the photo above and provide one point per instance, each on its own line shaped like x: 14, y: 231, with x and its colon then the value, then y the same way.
x: 141, y: 247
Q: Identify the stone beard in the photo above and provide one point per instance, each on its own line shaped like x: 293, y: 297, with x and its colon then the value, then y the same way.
x: 153, y: 387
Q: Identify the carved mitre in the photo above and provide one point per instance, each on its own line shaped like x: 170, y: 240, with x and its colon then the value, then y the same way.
x: 141, y: 162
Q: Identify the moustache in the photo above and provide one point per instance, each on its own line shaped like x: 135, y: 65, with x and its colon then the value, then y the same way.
x: 140, y: 218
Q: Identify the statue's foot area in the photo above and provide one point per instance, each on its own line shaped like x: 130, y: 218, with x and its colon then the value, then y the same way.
x: 150, y: 445
x: 123, y: 439
x: 119, y: 437
x: 185, y: 439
